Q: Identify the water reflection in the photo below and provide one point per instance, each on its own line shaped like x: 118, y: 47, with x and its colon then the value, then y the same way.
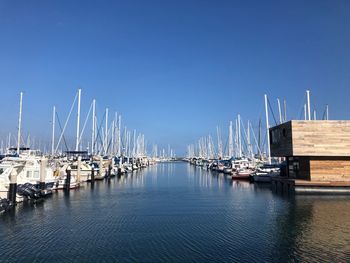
x: 314, y: 228
x: 174, y: 212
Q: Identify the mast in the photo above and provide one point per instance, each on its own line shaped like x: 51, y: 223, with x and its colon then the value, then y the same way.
x: 93, y: 126
x: 230, y: 141
x: 236, y: 139
x: 134, y: 144
x: 267, y: 131
x: 78, y: 121
x: 19, y: 123
x: 248, y: 139
x: 239, y: 136
x: 115, y: 150
x: 9, y: 141
x: 129, y: 143
x: 279, y: 110
x: 259, y: 137
x: 308, y: 105
x: 112, y: 138
x: 106, y: 132
x: 125, y: 141
x: 53, y: 131
x: 219, y: 143
x: 119, y: 135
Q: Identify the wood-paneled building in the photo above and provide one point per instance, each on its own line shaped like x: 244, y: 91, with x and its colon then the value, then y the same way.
x: 316, y: 151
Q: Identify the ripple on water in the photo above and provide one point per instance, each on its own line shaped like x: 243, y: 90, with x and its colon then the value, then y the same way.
x: 176, y: 213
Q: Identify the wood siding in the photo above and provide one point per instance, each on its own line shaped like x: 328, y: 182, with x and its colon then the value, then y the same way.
x: 330, y: 169
x: 321, y: 138
x: 310, y: 138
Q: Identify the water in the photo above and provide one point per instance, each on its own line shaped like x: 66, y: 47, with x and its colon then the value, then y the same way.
x: 177, y: 213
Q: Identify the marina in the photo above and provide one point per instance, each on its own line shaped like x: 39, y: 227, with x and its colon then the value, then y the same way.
x: 115, y: 196
x: 177, y: 212
x: 174, y: 131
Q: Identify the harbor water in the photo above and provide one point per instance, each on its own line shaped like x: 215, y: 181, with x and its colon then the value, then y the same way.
x: 175, y: 212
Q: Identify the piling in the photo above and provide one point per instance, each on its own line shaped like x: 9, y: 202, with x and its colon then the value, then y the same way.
x: 68, y: 176
x: 13, y: 187
x: 43, y: 164
x: 109, y: 170
x: 92, y: 174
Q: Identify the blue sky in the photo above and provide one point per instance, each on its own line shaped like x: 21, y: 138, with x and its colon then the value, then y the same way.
x: 174, y: 69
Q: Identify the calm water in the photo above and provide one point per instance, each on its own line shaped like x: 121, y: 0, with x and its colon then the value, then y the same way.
x: 177, y: 213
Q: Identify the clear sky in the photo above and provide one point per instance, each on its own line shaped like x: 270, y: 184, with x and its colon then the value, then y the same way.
x: 174, y: 69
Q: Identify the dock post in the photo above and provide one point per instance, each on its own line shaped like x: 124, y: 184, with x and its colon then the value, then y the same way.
x: 43, y: 164
x: 79, y: 169
x: 13, y: 187
x: 68, y: 172
x: 92, y: 174
x: 109, y: 170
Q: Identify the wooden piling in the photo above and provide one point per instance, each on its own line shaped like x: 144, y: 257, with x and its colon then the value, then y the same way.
x: 13, y: 187
x: 92, y: 174
x: 68, y: 177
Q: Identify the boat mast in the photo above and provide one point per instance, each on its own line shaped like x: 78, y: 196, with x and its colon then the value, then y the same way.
x: 9, y: 141
x: 230, y: 139
x: 78, y: 121
x: 279, y: 110
x: 106, y: 132
x: 119, y: 136
x: 259, y: 137
x: 93, y: 126
x: 112, y: 138
x: 19, y: 123
x: 250, y: 151
x: 267, y: 131
x: 239, y: 136
x: 53, y: 131
x: 134, y: 145
x: 308, y: 105
x: 236, y: 139
x: 116, y: 130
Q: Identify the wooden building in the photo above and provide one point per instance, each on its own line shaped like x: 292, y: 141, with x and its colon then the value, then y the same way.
x: 317, y: 152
